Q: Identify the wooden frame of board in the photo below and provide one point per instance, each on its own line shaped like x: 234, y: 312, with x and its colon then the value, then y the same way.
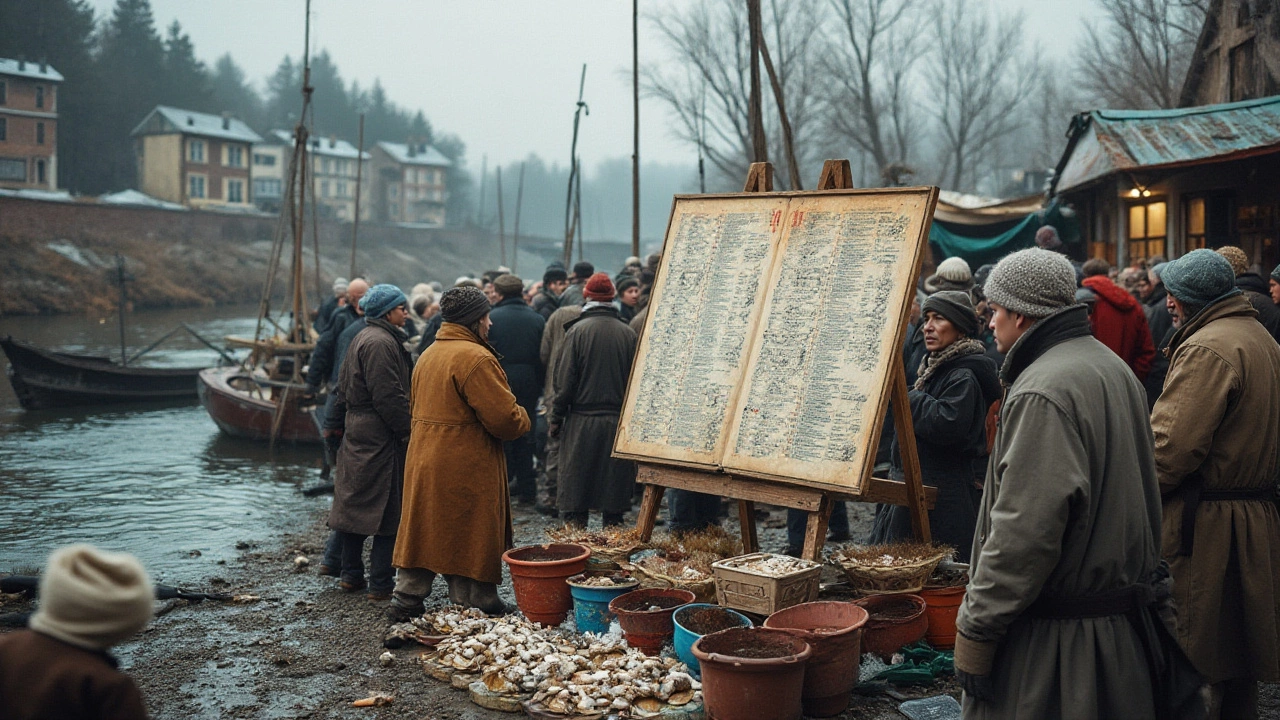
x: 744, y: 396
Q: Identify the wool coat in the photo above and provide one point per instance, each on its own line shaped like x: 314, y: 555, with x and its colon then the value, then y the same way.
x: 1217, y: 419
x: 949, y: 416
x: 516, y: 336
x: 553, y: 344
x: 545, y: 303
x: 1070, y: 508
x: 456, y: 516
x: 591, y: 384
x: 1120, y: 323
x: 322, y: 366
x: 1258, y: 293
x: 42, y: 678
x: 373, y: 405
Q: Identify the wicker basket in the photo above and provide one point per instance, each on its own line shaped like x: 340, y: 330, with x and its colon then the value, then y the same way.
x: 616, y: 555
x: 704, y: 591
x: 880, y: 580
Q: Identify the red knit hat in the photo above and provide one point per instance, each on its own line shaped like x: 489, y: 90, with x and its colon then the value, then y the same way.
x: 599, y: 288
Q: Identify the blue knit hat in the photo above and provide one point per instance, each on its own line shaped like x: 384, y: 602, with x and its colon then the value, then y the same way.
x: 1200, y: 278
x: 382, y: 299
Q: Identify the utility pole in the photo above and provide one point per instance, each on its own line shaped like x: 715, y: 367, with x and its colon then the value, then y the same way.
x: 574, y: 170
x: 502, y: 230
x: 759, y: 148
x: 355, y: 221
x: 635, y: 125
x: 515, y: 235
x: 484, y: 173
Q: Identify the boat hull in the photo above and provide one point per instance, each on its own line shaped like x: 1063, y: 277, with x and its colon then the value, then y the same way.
x: 240, y: 412
x: 43, y: 379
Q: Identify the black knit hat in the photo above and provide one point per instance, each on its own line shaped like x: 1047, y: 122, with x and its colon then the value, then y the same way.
x: 463, y: 305
x: 956, y: 307
x: 554, y: 274
x: 584, y: 270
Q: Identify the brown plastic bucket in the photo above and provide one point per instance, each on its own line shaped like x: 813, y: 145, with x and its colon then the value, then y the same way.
x: 941, y: 607
x: 834, y: 632
x: 538, y: 576
x: 648, y: 630
x: 752, y: 673
x: 896, y: 620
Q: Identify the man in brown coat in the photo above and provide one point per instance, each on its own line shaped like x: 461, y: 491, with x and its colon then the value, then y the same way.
x: 1217, y: 436
x: 456, y: 516
x: 60, y: 669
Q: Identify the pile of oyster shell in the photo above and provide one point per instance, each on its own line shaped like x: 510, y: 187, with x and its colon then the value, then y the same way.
x: 448, y: 620
x: 565, y: 673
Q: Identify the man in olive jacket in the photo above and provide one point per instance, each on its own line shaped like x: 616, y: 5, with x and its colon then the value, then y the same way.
x: 1067, y: 538
x: 1217, y: 438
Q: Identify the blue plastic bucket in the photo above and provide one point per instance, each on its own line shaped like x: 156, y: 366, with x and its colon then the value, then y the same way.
x: 685, y: 638
x: 591, y: 606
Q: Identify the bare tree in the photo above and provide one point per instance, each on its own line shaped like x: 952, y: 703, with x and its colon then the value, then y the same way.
x: 1139, y: 57
x: 709, y: 84
x: 868, y: 63
x: 978, y: 78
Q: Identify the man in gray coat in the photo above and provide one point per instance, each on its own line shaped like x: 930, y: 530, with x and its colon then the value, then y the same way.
x: 1068, y: 536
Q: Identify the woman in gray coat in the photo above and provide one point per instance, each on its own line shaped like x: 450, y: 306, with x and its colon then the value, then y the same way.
x: 372, y: 417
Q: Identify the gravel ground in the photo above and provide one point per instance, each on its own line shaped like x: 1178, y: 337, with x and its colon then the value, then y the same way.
x: 307, y: 650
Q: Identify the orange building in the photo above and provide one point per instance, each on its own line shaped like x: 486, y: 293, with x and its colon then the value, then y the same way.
x: 28, y: 125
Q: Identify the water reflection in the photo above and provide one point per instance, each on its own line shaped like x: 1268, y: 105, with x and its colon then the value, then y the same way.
x: 159, y: 481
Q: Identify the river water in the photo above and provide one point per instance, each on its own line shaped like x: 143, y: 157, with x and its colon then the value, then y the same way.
x: 161, y: 481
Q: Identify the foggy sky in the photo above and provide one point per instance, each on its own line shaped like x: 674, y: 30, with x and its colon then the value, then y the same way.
x: 501, y: 75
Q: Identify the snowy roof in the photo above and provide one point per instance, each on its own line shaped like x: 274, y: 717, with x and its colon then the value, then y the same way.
x: 327, y: 147
x: 164, y: 119
x: 422, y: 154
x: 37, y: 194
x: 29, y: 69
x: 133, y: 197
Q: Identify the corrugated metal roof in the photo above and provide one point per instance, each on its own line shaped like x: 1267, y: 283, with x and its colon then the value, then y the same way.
x: 424, y: 155
x: 191, y: 122
x: 1104, y: 142
x: 29, y: 69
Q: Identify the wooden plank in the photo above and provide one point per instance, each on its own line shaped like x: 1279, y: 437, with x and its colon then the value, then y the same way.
x: 747, y: 521
x: 910, y: 459
x: 806, y: 499
x: 815, y: 530
x: 649, y: 511
x: 894, y: 492
x: 759, y: 178
x: 836, y: 175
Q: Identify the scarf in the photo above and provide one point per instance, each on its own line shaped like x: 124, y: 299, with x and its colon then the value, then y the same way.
x: 934, y: 360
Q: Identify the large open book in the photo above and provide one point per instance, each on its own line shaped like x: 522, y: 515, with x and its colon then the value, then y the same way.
x: 772, y: 327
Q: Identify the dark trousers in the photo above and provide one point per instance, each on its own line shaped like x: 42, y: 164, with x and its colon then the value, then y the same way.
x: 333, y: 551
x: 796, y: 520
x: 519, y: 454
x: 689, y: 511
x: 381, y: 575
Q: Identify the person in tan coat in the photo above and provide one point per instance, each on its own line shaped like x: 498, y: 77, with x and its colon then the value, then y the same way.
x: 1217, y: 439
x: 456, y: 514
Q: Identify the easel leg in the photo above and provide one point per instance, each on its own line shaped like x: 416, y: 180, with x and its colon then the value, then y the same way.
x: 649, y: 507
x: 747, y: 520
x: 910, y: 459
x: 815, y: 530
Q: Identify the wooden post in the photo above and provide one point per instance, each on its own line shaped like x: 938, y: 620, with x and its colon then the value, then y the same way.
x: 906, y: 435
x: 835, y: 175
x: 759, y: 178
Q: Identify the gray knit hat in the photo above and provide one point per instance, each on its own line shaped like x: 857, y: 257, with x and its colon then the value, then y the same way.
x: 1275, y: 274
x: 956, y: 307
x: 1032, y: 282
x: 1200, y: 278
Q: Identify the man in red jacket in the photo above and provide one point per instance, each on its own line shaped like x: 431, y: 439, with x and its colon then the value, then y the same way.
x: 1117, y: 319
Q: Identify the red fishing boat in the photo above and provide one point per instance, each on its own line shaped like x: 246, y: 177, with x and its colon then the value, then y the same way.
x: 250, y: 405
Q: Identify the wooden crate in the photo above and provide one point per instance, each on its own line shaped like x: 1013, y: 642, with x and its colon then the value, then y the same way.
x: 762, y: 594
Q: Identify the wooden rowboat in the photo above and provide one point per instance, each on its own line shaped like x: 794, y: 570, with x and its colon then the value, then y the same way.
x: 46, y: 379
x: 244, y: 404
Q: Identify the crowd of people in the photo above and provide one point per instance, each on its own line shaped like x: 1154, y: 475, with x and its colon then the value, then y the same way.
x: 1104, y: 443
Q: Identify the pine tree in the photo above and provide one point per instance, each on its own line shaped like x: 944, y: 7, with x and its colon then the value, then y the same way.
x: 131, y: 61
x: 232, y: 92
x: 186, y: 79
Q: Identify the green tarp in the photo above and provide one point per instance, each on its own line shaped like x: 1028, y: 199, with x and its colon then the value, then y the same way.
x: 983, y: 244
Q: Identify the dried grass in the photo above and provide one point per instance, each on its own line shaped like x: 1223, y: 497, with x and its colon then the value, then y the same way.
x: 895, y: 554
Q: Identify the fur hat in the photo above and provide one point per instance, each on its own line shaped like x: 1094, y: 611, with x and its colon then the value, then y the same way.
x: 953, y: 274
x: 554, y: 274
x: 1033, y: 282
x: 463, y: 305
x: 583, y: 270
x: 1234, y: 255
x: 508, y: 285
x: 1047, y: 238
x: 629, y: 281
x: 956, y: 307
x: 1199, y: 278
x: 599, y: 288
x: 92, y: 598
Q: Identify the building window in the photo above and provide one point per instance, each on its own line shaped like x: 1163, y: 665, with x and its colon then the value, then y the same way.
x: 1146, y: 230
x: 324, y: 189
x: 342, y: 189
x: 4, y: 92
x: 40, y: 172
x: 267, y: 188
x: 195, y: 152
x: 1195, y: 224
x: 264, y: 159
x: 195, y: 187
x: 13, y: 169
x: 235, y: 156
x: 394, y: 191
x: 235, y: 191
x: 395, y: 211
x: 4, y: 129
x: 39, y: 96
x: 39, y: 133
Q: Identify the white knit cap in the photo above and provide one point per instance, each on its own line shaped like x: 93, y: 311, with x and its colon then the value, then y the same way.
x: 955, y: 269
x: 92, y: 598
x: 1032, y: 282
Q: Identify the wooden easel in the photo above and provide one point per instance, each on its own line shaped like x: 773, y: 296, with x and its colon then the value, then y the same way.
x: 817, y: 503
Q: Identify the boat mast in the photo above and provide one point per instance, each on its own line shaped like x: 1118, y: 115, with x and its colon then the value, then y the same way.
x: 120, y: 280
x: 569, y: 227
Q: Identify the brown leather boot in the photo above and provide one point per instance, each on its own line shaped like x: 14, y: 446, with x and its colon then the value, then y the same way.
x: 459, y: 589
x: 484, y: 597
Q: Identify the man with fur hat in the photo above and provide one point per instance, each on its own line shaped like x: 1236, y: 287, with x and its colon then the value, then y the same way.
x: 1118, y: 320
x: 554, y: 281
x: 1217, y: 440
x: 1066, y: 548
x: 591, y: 383
x: 517, y: 338
x: 60, y: 669
x: 574, y: 294
x: 456, y: 516
x: 1254, y: 288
